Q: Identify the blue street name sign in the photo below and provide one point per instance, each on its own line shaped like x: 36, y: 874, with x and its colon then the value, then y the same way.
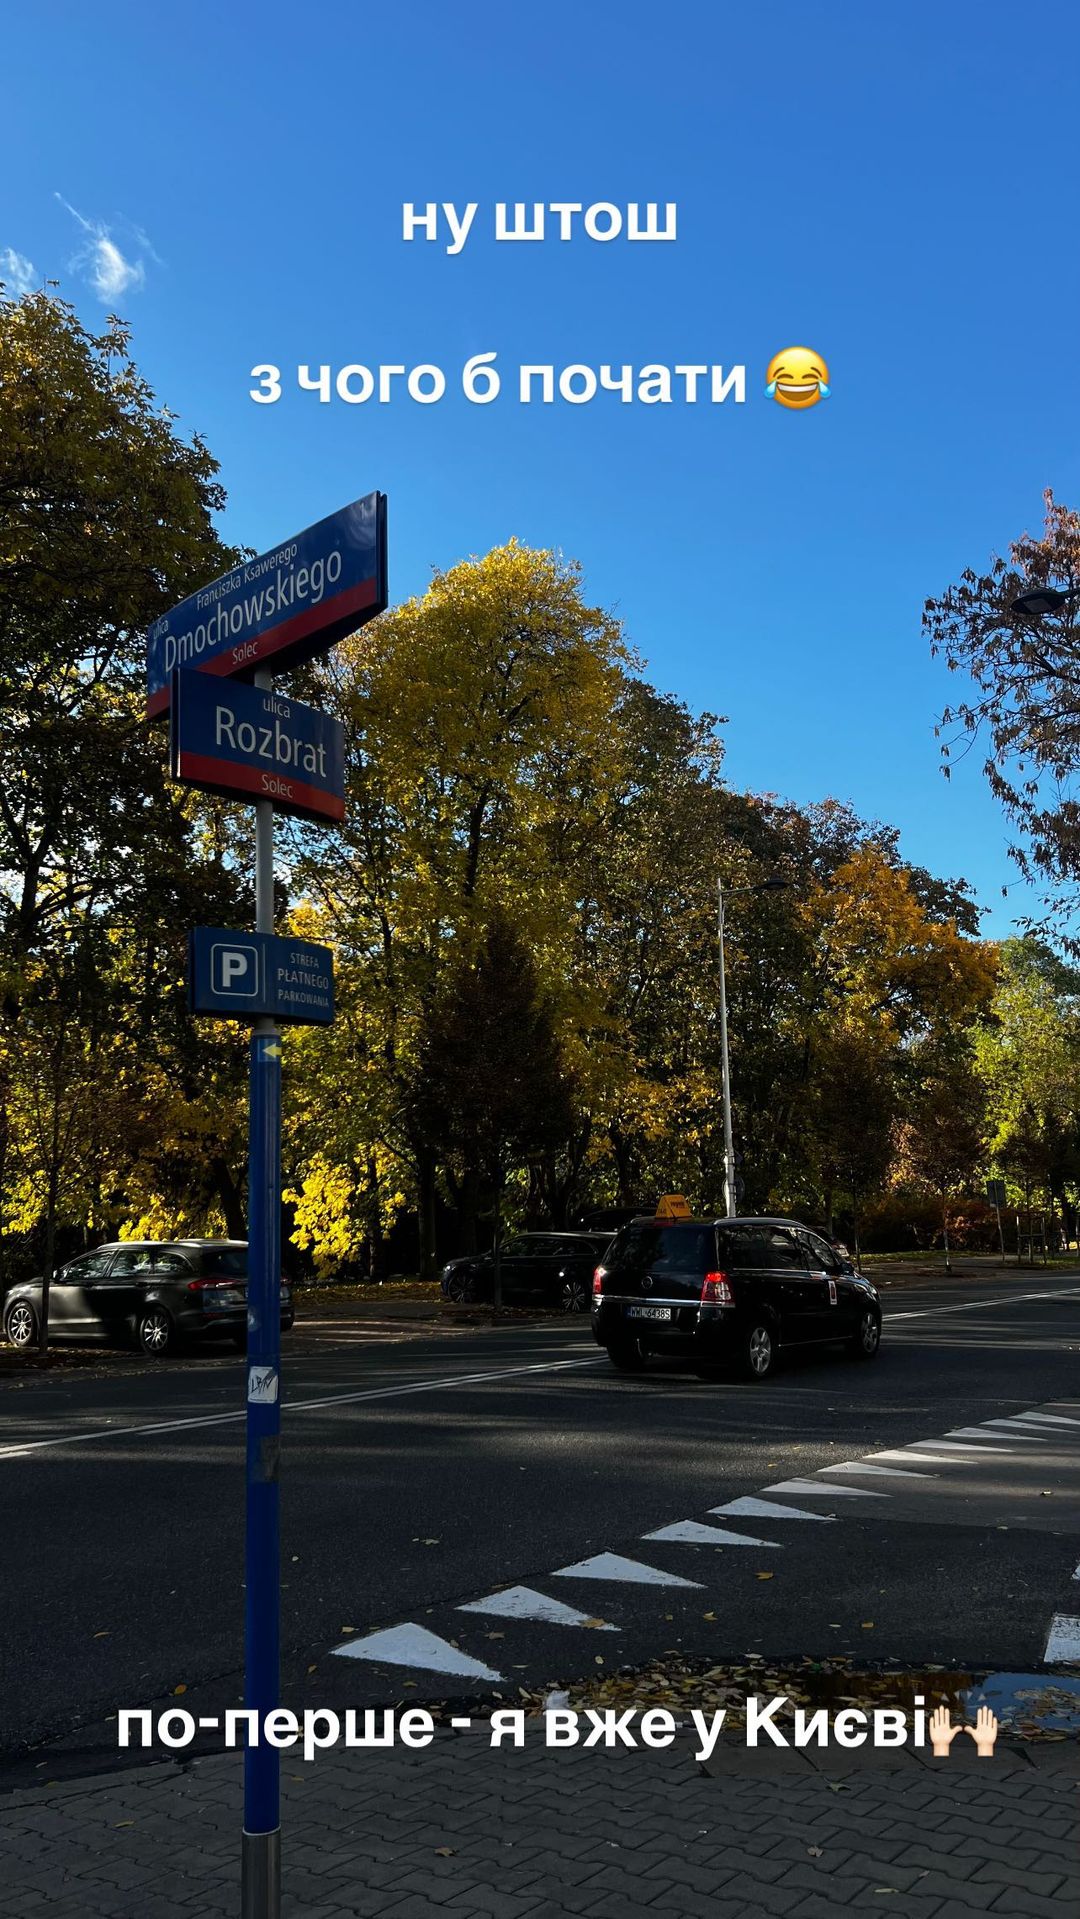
x: 249, y: 743
x: 278, y: 610
x: 258, y: 976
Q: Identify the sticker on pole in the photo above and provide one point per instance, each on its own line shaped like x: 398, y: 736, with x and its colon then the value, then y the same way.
x: 262, y: 1386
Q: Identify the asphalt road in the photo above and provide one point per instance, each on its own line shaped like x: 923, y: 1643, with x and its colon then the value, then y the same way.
x: 419, y: 1477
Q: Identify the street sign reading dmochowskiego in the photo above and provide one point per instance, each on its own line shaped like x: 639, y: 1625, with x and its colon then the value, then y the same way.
x: 280, y: 609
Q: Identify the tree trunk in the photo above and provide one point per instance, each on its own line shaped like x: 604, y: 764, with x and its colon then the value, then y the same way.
x: 425, y: 1168
x: 496, y: 1250
x: 828, y: 1200
x: 228, y: 1192
x: 855, y: 1228
x: 468, y: 1209
x: 374, y: 1233
x: 945, y: 1232
x: 50, y: 1227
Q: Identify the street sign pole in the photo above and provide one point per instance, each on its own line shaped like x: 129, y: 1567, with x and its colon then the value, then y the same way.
x: 261, y: 1873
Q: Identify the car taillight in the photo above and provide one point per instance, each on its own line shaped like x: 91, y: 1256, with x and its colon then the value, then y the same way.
x: 200, y: 1285
x: 598, y: 1279
x: 716, y: 1290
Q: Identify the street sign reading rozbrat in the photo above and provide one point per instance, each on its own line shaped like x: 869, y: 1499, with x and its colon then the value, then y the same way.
x: 252, y: 976
x: 280, y: 609
x: 250, y: 743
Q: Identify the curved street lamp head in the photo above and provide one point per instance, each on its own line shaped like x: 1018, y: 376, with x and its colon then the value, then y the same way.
x: 1039, y: 600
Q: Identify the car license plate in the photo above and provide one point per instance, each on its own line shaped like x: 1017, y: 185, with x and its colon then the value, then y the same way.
x: 648, y: 1312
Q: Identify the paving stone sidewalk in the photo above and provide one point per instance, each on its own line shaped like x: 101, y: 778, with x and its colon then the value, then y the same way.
x: 460, y: 1830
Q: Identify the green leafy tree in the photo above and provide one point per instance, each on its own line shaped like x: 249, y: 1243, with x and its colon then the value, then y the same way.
x: 1024, y: 705
x: 492, y: 1086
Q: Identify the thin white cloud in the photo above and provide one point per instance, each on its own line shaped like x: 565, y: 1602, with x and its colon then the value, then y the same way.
x: 17, y: 272
x: 110, y: 271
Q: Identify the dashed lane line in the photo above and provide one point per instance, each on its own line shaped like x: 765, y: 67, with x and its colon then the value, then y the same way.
x: 21, y: 1449
x: 974, y: 1305
x: 24, y: 1448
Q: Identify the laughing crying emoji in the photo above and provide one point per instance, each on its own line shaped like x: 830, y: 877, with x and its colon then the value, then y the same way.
x: 798, y: 377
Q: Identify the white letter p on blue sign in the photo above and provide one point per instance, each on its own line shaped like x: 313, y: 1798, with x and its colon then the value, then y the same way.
x: 235, y: 970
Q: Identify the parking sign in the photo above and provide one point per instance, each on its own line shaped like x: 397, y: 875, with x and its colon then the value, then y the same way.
x: 249, y: 976
x: 234, y: 969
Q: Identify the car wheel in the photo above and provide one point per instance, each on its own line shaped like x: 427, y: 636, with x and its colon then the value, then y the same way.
x: 21, y: 1325
x: 626, y: 1355
x: 576, y: 1296
x: 461, y: 1288
x: 155, y: 1332
x: 865, y: 1343
x: 758, y: 1351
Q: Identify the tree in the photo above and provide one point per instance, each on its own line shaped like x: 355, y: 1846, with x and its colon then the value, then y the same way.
x: 1026, y: 700
x: 491, y: 1080
x: 853, y: 1108
x: 944, y: 1140
x: 106, y: 519
x: 1028, y: 1055
x: 480, y: 740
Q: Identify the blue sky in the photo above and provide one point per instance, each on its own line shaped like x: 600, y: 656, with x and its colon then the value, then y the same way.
x: 874, y: 182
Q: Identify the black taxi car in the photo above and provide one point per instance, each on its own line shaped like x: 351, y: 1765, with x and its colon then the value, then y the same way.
x: 728, y: 1293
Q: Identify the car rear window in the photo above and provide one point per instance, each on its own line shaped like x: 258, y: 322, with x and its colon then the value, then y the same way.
x: 761, y: 1247
x: 229, y: 1261
x: 654, y: 1248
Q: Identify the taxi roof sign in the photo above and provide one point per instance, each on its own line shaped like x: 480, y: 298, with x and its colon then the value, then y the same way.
x: 673, y: 1206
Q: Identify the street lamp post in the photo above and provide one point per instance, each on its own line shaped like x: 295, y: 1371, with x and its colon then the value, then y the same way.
x: 725, y: 1065
x: 773, y: 885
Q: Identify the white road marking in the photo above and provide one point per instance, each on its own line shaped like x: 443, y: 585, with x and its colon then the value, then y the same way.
x: 960, y: 1458
x: 980, y: 1433
x: 811, y: 1486
x: 965, y: 1446
x: 1025, y: 1428
x: 521, y: 1602
x: 973, y: 1305
x: 1076, y: 1574
x: 614, y: 1567
x: 300, y: 1405
x: 766, y: 1509
x: 691, y: 1532
x: 1063, y: 1639
x: 412, y: 1645
x: 1043, y: 1419
x: 879, y: 1472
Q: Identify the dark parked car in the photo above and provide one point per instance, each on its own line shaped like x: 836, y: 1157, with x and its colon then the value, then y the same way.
x: 157, y: 1295
x: 552, y: 1269
x: 728, y: 1292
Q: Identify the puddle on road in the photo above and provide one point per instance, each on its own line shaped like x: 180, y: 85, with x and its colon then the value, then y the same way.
x: 1028, y: 1706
